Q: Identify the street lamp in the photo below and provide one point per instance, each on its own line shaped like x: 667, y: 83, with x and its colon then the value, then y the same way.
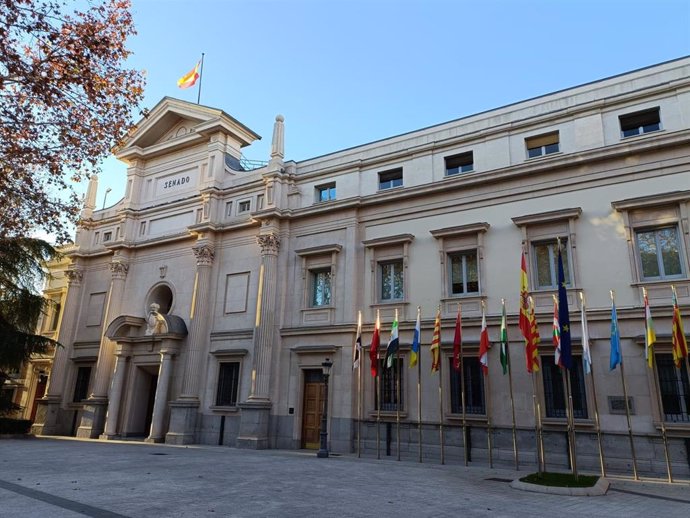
x: 105, y: 196
x: 323, y: 448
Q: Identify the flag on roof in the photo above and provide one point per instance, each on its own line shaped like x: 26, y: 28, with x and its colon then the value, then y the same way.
x: 436, y: 344
x: 649, y: 333
x: 566, y: 349
x: 504, y: 338
x: 393, y: 342
x: 414, y: 353
x: 190, y: 78
x: 457, y: 341
x: 374, y: 349
x: 484, y: 344
x: 678, y: 340
x: 357, y: 350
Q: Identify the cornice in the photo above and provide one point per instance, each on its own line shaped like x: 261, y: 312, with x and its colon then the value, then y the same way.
x: 652, y: 200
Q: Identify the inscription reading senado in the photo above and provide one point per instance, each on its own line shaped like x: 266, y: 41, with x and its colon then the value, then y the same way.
x: 177, y: 181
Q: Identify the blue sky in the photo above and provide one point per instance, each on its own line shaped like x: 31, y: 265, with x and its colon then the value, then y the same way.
x: 346, y: 72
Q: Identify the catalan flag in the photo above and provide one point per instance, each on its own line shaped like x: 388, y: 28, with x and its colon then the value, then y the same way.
x: 484, y: 344
x: 678, y: 340
x: 436, y: 344
x: 457, y: 341
x: 532, y: 348
x: 528, y: 321
x: 190, y: 78
x: 414, y: 353
x: 374, y: 349
x: 649, y: 333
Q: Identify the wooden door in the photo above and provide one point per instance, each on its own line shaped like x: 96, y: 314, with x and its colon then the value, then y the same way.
x: 312, y: 409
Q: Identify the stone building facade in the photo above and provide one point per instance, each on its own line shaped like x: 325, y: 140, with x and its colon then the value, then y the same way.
x: 199, y: 308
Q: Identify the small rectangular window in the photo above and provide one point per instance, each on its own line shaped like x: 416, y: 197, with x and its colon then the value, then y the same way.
x: 389, y: 391
x: 659, y: 253
x: 546, y: 263
x: 107, y: 236
x: 325, y: 192
x: 640, y: 122
x: 321, y: 287
x: 554, y: 392
x: 390, y: 179
x: 542, y: 145
x: 464, y: 273
x: 462, y: 163
x: 474, y: 387
x: 228, y: 384
x: 244, y: 206
x: 391, y: 280
x: 81, y: 386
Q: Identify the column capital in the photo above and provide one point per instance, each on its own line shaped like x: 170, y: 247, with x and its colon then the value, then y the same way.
x: 119, y: 269
x: 204, y: 253
x: 269, y: 243
x: 74, y: 276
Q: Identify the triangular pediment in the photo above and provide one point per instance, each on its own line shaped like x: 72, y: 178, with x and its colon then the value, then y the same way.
x: 174, y: 122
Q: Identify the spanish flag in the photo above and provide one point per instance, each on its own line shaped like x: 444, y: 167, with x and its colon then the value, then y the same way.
x: 190, y: 78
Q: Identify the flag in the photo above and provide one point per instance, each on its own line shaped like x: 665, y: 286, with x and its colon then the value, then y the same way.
x: 189, y: 79
x: 566, y: 349
x: 531, y: 347
x: 524, y: 322
x: 357, y: 350
x: 649, y: 333
x: 484, y: 344
x: 457, y: 341
x: 504, y: 339
x: 556, y: 334
x: 615, y: 358
x: 374, y: 349
x: 436, y: 344
x: 414, y: 353
x: 586, y: 353
x: 393, y: 343
x: 678, y: 340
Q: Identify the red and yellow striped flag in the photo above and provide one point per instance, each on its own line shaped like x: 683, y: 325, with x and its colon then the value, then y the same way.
x: 436, y: 344
x: 528, y: 321
x: 189, y: 79
x: 678, y: 340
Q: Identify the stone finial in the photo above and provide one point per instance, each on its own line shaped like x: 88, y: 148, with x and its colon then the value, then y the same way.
x: 278, y: 143
x: 90, y: 198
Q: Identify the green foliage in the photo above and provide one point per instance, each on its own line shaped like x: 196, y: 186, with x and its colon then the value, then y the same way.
x: 14, y: 426
x: 22, y: 263
x: 560, y: 479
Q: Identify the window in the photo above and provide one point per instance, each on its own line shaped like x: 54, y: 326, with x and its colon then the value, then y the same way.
x: 542, y: 145
x: 388, y: 386
x: 640, y: 122
x: 462, y: 163
x: 325, y: 192
x: 659, y: 253
x: 474, y: 387
x: 674, y: 388
x: 321, y: 287
x: 96, y: 237
x: 55, y: 316
x: 463, y: 272
x: 554, y: 392
x: 391, y: 275
x: 81, y: 386
x: 228, y: 209
x: 228, y: 384
x: 546, y: 263
x: 107, y: 236
x: 244, y: 206
x: 259, y: 201
x: 390, y: 179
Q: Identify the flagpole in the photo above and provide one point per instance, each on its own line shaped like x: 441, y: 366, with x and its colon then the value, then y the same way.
x: 419, y: 388
x: 571, y: 423
x: 359, y: 386
x: 378, y: 413
x: 510, y: 386
x: 462, y: 400
x: 201, y: 75
x: 651, y: 363
x: 594, y: 392
x: 397, y: 391
x: 627, y: 408
x: 541, y: 464
x: 488, y: 398
x: 440, y: 403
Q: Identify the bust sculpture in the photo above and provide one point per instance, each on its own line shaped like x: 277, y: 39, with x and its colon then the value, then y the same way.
x: 155, y: 321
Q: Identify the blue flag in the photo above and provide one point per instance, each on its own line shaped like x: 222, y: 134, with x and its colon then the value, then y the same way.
x: 616, y: 358
x: 564, y: 316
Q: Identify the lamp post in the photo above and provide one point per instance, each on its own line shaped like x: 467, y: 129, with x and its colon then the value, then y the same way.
x: 323, y: 448
x: 105, y: 196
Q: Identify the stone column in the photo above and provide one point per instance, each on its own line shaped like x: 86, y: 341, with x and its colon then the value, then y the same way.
x: 183, y: 413
x: 93, y: 413
x: 253, y: 431
x: 115, y: 396
x: 48, y: 420
x: 160, y: 403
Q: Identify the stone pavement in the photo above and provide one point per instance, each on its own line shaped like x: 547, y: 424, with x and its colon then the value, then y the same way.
x: 59, y: 478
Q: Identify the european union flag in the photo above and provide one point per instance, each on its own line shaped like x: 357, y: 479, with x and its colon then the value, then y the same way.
x: 616, y: 357
x: 564, y: 316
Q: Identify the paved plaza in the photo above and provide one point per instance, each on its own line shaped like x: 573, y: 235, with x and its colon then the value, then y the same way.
x: 69, y: 478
